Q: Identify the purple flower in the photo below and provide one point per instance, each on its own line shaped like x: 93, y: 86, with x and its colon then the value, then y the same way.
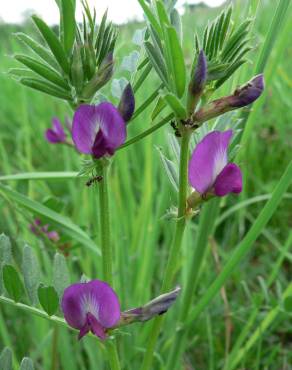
x: 92, y: 306
x: 56, y: 134
x: 209, y: 170
x: 98, y: 130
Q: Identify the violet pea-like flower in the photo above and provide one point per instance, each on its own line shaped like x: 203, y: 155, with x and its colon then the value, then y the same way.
x: 98, y: 130
x: 56, y: 134
x: 209, y: 170
x: 92, y: 306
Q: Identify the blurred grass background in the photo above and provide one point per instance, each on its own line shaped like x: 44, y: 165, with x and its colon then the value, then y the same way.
x: 140, y: 197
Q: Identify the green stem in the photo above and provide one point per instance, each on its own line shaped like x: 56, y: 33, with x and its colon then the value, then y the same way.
x: 147, y: 132
x: 208, y: 217
x: 176, y: 245
x: 106, y: 248
x: 107, y: 255
x: 54, y: 365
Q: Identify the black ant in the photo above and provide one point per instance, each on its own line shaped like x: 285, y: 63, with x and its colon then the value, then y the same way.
x: 94, y: 180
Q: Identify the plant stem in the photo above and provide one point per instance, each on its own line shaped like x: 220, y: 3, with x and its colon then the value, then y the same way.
x: 176, y: 245
x: 107, y: 255
x: 147, y: 132
x: 106, y: 248
x: 208, y: 217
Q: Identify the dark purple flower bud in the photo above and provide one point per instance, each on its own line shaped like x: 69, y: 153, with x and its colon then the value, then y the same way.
x: 98, y: 130
x: 92, y: 306
x: 209, y: 170
x: 56, y: 134
x: 248, y: 93
x: 157, y: 306
x: 199, y: 77
x: 127, y: 103
x: 242, y: 96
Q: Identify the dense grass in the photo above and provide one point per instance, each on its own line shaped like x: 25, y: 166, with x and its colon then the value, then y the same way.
x: 140, y: 197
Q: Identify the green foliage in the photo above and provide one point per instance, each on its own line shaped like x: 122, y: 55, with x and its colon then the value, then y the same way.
x: 61, y: 278
x: 141, y: 195
x: 67, y: 12
x: 26, y: 364
x: 12, y: 282
x: 48, y: 299
x: 225, y: 47
x: 6, y: 359
x: 31, y: 273
x: 53, y: 42
x: 5, y: 256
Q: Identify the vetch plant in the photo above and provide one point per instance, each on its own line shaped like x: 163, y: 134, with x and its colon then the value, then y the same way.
x: 195, y: 100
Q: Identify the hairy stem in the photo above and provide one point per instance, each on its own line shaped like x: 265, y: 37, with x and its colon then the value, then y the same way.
x: 107, y: 255
x: 176, y: 245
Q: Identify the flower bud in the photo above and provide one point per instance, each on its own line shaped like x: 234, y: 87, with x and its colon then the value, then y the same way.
x: 77, y: 75
x: 198, y: 80
x: 127, y: 103
x: 158, y: 306
x: 248, y: 93
x: 102, y: 76
x: 242, y: 96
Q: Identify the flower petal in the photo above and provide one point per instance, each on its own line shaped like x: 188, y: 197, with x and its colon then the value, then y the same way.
x: 84, y: 128
x: 96, y: 327
x: 107, y: 301
x: 98, y: 130
x: 229, y: 180
x: 72, y: 305
x: 112, y: 127
x: 208, y: 160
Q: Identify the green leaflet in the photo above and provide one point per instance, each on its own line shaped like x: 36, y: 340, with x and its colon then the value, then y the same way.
x: 48, y: 299
x: 53, y: 42
x: 26, y: 364
x: 31, y: 273
x: 12, y: 282
x: 45, y: 87
x: 157, y: 62
x: 67, y: 11
x: 61, y: 277
x: 6, y: 359
x: 150, y: 16
x: 5, y: 256
x: 175, y: 104
x: 43, y: 70
x: 178, y: 69
x: 38, y: 49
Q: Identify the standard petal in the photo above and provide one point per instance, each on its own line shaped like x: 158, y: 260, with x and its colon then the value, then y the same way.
x: 208, y: 160
x: 112, y: 127
x: 73, y: 305
x: 84, y: 128
x: 229, y: 180
x: 104, y: 303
